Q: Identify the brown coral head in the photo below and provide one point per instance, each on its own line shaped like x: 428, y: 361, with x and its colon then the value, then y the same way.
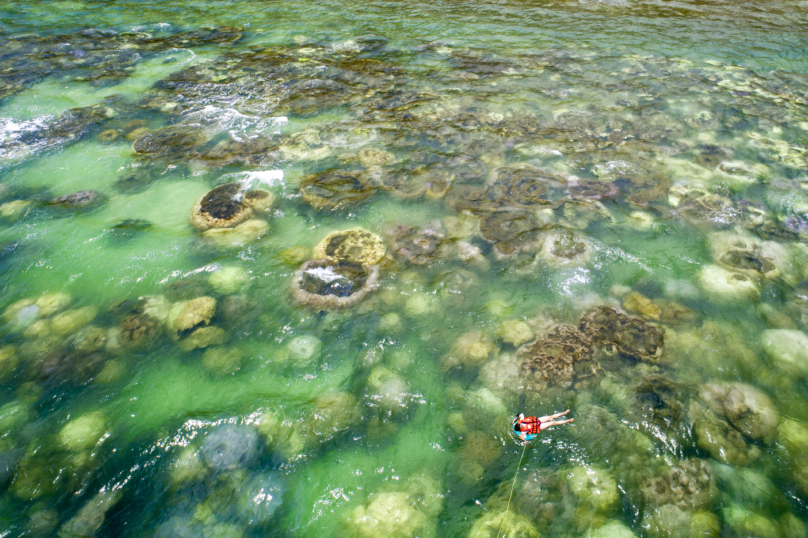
x: 631, y: 336
x: 355, y: 245
x: 504, y: 226
x: 401, y: 182
x: 593, y: 190
x: 139, y: 330
x: 335, y: 189
x: 326, y: 284
x: 418, y: 245
x: 552, y: 360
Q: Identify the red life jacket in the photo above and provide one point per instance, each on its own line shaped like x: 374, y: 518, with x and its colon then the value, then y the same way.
x: 530, y: 425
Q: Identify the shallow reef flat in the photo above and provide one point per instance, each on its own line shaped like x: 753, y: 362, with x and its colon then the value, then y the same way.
x: 291, y: 269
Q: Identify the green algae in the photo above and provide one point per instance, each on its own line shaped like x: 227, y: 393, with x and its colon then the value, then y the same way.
x: 674, y: 141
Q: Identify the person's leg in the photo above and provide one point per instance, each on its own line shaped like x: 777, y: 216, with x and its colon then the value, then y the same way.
x: 545, y: 425
x: 551, y: 417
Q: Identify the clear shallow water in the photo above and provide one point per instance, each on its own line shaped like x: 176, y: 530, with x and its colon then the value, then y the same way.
x: 559, y: 160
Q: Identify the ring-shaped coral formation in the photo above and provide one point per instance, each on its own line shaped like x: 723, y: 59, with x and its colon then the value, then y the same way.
x: 327, y: 285
x: 523, y: 186
x: 355, y: 245
x: 227, y: 206
x: 335, y: 189
x: 748, y: 255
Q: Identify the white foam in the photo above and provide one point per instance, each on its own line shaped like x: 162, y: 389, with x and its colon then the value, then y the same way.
x: 12, y: 130
x: 616, y: 167
x: 326, y: 274
x: 225, y: 117
x: 249, y: 180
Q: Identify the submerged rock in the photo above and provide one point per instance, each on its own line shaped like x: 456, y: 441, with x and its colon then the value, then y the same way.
x: 259, y: 499
x: 229, y: 279
x: 728, y: 286
x: 481, y: 448
x: 189, y: 315
x: 745, y: 407
x: 593, y: 489
x: 222, y: 361
x: 388, y: 391
x: 79, y: 200
x: 505, y: 524
x: 523, y: 186
x: 718, y: 437
x: 563, y: 248
x: 331, y: 414
x: 788, y: 348
x: 470, y: 349
x: 304, y: 348
x: 8, y: 361
x: 71, y: 321
x: 398, y: 514
x: 230, y: 447
x: 744, y: 522
x: 612, y: 529
x: 203, y: 337
x: 688, y: 485
x: 750, y: 256
x: 670, y: 521
x: 592, y: 190
x: 243, y: 234
x: 703, y: 209
x: 91, y: 516
x: 407, y: 183
x: 515, y: 332
x: 129, y: 229
x: 15, y: 210
x: 375, y: 157
x: 658, y: 399
x: 83, y: 432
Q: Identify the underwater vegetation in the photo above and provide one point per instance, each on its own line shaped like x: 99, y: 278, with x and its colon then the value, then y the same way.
x: 271, y: 282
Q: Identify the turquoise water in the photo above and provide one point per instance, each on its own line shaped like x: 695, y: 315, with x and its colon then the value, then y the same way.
x: 290, y: 269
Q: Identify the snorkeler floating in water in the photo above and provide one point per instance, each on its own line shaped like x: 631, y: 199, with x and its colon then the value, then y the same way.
x: 527, y: 428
